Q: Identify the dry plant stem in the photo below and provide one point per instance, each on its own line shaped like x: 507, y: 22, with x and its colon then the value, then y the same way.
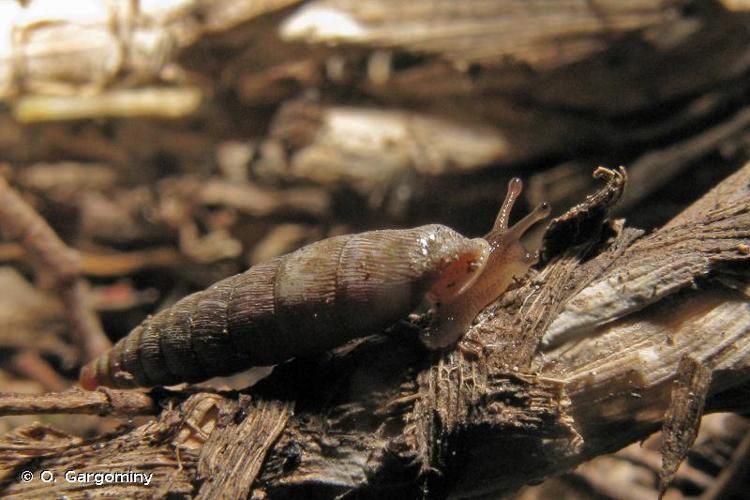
x: 76, y: 401
x: 56, y: 265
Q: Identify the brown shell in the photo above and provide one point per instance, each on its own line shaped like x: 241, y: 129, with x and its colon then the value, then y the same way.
x: 298, y: 304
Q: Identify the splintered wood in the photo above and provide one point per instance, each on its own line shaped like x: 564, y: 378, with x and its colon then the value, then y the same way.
x: 176, y: 143
x: 470, y: 423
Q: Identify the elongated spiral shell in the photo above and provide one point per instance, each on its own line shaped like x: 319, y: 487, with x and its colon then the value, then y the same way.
x: 298, y: 304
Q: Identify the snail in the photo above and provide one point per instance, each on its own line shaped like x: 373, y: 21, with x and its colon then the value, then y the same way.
x: 322, y: 296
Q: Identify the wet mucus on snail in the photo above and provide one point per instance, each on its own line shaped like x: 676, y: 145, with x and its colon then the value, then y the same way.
x: 322, y: 296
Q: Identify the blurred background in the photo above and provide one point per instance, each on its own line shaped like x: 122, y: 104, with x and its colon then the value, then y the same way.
x: 176, y: 142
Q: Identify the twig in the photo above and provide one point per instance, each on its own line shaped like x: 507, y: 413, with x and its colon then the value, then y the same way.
x: 110, y: 263
x: 77, y: 401
x: 33, y: 367
x: 56, y: 265
x: 84, y: 322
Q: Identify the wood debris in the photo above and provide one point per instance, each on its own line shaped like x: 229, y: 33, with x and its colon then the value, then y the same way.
x: 289, y: 128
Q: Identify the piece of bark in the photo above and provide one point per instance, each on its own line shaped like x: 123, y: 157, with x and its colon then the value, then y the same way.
x: 683, y: 417
x: 382, y: 416
x: 23, y: 444
x: 149, y: 449
x: 243, y: 440
x: 697, y: 245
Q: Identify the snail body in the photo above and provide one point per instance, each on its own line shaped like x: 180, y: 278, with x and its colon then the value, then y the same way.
x: 319, y: 297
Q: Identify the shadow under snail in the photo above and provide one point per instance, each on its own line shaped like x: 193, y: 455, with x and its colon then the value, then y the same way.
x: 322, y: 296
